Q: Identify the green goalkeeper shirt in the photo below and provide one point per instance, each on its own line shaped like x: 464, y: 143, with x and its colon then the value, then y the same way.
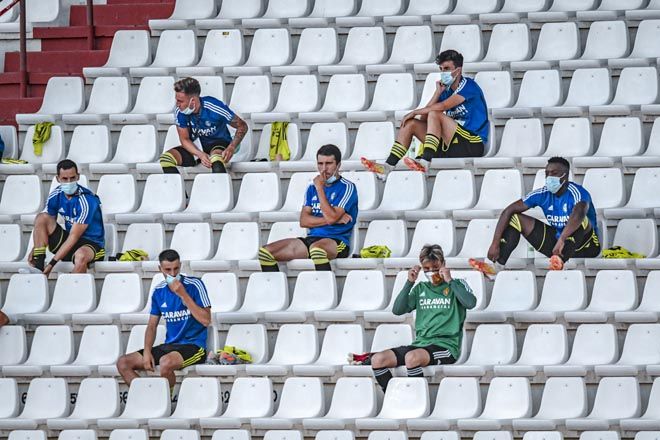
x: 440, y: 312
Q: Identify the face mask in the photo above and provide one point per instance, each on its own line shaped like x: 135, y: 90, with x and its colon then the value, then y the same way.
x: 446, y: 78
x: 170, y: 279
x: 331, y: 179
x: 433, y: 277
x: 553, y: 183
x: 190, y: 109
x: 69, y: 188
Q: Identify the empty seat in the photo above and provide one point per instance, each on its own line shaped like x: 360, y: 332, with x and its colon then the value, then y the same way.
x: 498, y: 190
x: 369, y: 142
x: 642, y: 198
x: 129, y: 434
x: 363, y: 290
x: 109, y: 95
x: 296, y: 344
x: 148, y: 398
x: 606, y: 39
x: 563, y: 398
x: 130, y: 48
x: 221, y: 48
x: 259, y: 192
x: 639, y: 350
x: 345, y: 93
x: 292, y: 206
x: 313, y: 291
x: 636, y: 235
x: 493, y: 344
x: 650, y: 157
x: 210, y: 193
x: 562, y: 10
x: 10, y: 406
x: 222, y: 290
x: 192, y: 241
x: 394, y: 94
x: 609, y: 10
x: 502, y: 304
x: 588, y: 87
x: 316, y: 47
x: 298, y: 93
x: 136, y: 144
x: 163, y: 193
x: 270, y: 47
x: 616, y: 398
x: 118, y: 193
x: 96, y: 399
x: 265, y: 292
x: 637, y: 86
x: 405, y: 398
x: 251, y: 94
x: 530, y: 98
x: 606, y: 187
x: 46, y: 399
x: 457, y: 398
x: 301, y: 398
x: 52, y: 152
x: 412, y: 45
x: 15, y: 352
x: 150, y: 237
x: 520, y: 138
x: 198, y: 397
x: 251, y: 397
x: 390, y: 233
x: 89, y: 144
x: 508, y: 42
x: 337, y: 341
x: 648, y: 420
x: 369, y: 10
x: 439, y: 231
x: 463, y: 12
x: 99, y: 345
x: 570, y: 137
x: 620, y: 137
x: 650, y: 12
x: 155, y: 96
x: 26, y: 293
x: 74, y: 293
x: 545, y: 344
x: 557, y: 41
x: 497, y: 88
x: 51, y: 345
x: 12, y: 240
x: 277, y: 12
x: 404, y: 191
x: 442, y: 203
x: 184, y: 14
x: 175, y: 48
x: 20, y: 195
x: 480, y: 231
x: 230, y: 14
x: 507, y: 399
x: 364, y: 45
x: 614, y: 290
x: 562, y: 291
x: 238, y: 241
x: 594, y: 344
x: 643, y: 51
x: 62, y: 95
x: 648, y: 306
x: 465, y: 39
x: 353, y: 398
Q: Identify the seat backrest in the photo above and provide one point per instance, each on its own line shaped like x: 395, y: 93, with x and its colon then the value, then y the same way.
x: 540, y: 88
x: 370, y: 138
x: 270, y: 47
x: 21, y: 194
x: 503, y: 299
x: 394, y: 91
x: 317, y: 46
x: 199, y: 397
x: 155, y: 95
x: 543, y: 435
x: 149, y: 237
x: 606, y: 187
x: 97, y: 398
x: 266, y: 292
x: 52, y: 150
x: 21, y: 434
x: 353, y: 397
x: 591, y: 86
x: 251, y: 338
x: 222, y: 289
x: 406, y: 398
x: 465, y: 39
x: 480, y: 231
x: 51, y: 345
x: 338, y: 340
x: 508, y: 397
x: 130, y: 48
x: 136, y: 337
x: 558, y: 41
x: 637, y: 85
x: 457, y: 398
x: 477, y: 7
x: 298, y: 93
x: 648, y: 31
x: 10, y: 404
x: 314, y: 291
x: 500, y: 188
x: 379, y: 8
x: 570, y: 137
x: 563, y: 291
x: 89, y: 144
x: 606, y: 39
x: 640, y: 346
x: 617, y: 397
x: 238, y: 241
x: 14, y: 352
x: 163, y: 193
x: 109, y: 95
x: 118, y: 192
x: 129, y: 434
x: 641, y: 194
x: 404, y: 190
x: 335, y: 435
x: 594, y: 344
x: 345, y: 93
x: 609, y: 5
x: 613, y: 290
x: 333, y: 8
x: 390, y: 233
x: 193, y: 9
x: 493, y: 344
x: 63, y: 95
x: 412, y: 44
x: 280, y: 230
x: 295, y: 193
x: 292, y: 138
x: 522, y: 138
x: 283, y: 434
x: 391, y: 335
x: 26, y: 293
x: 211, y: 193
x: 477, y: 283
x: 136, y: 144
x: 440, y: 435
x: 462, y: 195
x: 176, y: 47
x: 363, y: 290
x: 651, y: 298
x: 74, y: 293
x: 497, y: 88
x: 364, y: 45
x: 509, y: 42
x: 296, y: 344
x: 440, y: 231
x: 251, y: 94
x: 250, y: 397
x: 223, y: 48
x: 286, y: 9
x: 563, y: 397
x: 46, y: 398
x: 545, y: 344
x: 637, y: 235
x: 259, y: 192
x: 231, y: 434
x: 148, y: 397
x: 367, y: 188
x: 179, y: 434
x: 387, y: 435
x: 326, y: 133
x: 301, y: 397
x: 12, y: 242
x: 193, y: 241
x: 99, y: 345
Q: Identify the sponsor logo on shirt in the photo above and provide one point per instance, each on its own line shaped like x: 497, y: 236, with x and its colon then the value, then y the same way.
x: 446, y: 291
x: 176, y: 315
x: 164, y: 305
x: 435, y: 303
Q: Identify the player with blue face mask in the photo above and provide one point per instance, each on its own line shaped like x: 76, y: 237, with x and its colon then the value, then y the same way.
x: 571, y: 227
x: 82, y: 239
x: 454, y: 122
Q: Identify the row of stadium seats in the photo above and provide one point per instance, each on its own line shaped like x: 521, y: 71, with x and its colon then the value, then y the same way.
x: 345, y: 13
x: 298, y: 350
x: 614, y: 297
x: 608, y: 43
x: 354, y: 405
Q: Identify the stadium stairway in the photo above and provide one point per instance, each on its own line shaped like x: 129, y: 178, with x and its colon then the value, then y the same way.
x: 64, y: 49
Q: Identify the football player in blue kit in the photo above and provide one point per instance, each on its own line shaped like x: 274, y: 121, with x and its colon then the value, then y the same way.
x: 82, y: 240
x: 572, y: 229
x: 205, y: 118
x: 454, y: 123
x: 329, y: 213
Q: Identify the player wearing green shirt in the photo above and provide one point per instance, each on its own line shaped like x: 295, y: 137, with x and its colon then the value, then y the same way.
x: 441, y: 304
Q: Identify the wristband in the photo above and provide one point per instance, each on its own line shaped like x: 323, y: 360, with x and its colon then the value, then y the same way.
x: 53, y: 262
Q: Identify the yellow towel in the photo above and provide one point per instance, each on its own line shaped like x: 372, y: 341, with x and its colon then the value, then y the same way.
x: 41, y: 136
x: 279, y: 146
x: 620, y: 252
x: 375, y: 251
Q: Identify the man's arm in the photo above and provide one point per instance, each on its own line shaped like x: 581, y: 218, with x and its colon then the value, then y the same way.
x: 4, y: 319
x: 77, y: 231
x: 574, y: 220
x: 463, y: 294
x: 201, y: 314
x: 402, y: 304
x: 448, y: 103
x: 307, y: 220
x: 241, y: 129
x: 150, y: 333
x: 331, y: 214
x: 186, y: 142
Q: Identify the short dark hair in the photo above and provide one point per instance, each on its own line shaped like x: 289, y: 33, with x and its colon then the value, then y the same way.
x: 561, y: 161
x: 450, y: 55
x: 330, y: 150
x: 66, y: 164
x: 189, y: 86
x: 168, y: 255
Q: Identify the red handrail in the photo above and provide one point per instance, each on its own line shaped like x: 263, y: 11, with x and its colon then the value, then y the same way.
x: 8, y: 7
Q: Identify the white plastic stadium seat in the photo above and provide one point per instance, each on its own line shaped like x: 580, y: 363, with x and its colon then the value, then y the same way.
x: 652, y: 11
x: 589, y: 86
x: 222, y: 47
x: 148, y: 398
x: 364, y: 46
x: 562, y: 292
x: 295, y: 192
x: 353, y: 398
x: 404, y: 191
x: 608, y: 10
x: 557, y: 41
x: 259, y: 192
x: 265, y: 292
x: 20, y: 195
x: 210, y: 193
x: 62, y: 95
x: 97, y: 398
x: 390, y: 233
x: 457, y: 398
x: 563, y: 398
x: 163, y: 193
x: 296, y: 344
x: 465, y: 39
x: 230, y: 14
x: 480, y: 231
x: 136, y: 144
x: 636, y: 235
x: 222, y: 289
x: 198, y: 397
x: 10, y: 406
x: 394, y: 93
x: 301, y: 398
x: 250, y: 397
x: 498, y: 190
x: 277, y: 12
x: 323, y: 13
x: 642, y: 198
x: 649, y: 420
x: 316, y: 47
x: 184, y: 14
x: 520, y: 138
x: 648, y: 308
x: 570, y: 137
x: 11, y: 237
x: 51, y: 345
x: 412, y: 45
x: 155, y: 96
x: 606, y: 40
x: 386, y: 336
x: 562, y: 10
x: 507, y: 399
x: 502, y: 304
x: 616, y: 398
x: 298, y: 93
x: 637, y: 86
x: 369, y: 10
x: 53, y: 152
x: 99, y: 345
x: 109, y: 95
x: 74, y: 293
x: 13, y: 337
x: 26, y: 293
x: 363, y: 290
x: 417, y: 9
x: 493, y: 344
x: 594, y: 344
x: 337, y: 341
x: 313, y: 291
x: 465, y: 11
x: 508, y: 42
x: 405, y: 398
x: 370, y: 140
x: 497, y: 88
x: 604, y: 301
x: 345, y: 93
x: 249, y: 337
x: 130, y: 48
x: 149, y: 237
x: 175, y: 48
x: 643, y: 51
x: 238, y: 241
x: 251, y: 94
x: 545, y: 344
x: 440, y: 231
x: 530, y: 98
x: 27, y: 434
x: 620, y: 137
x: 637, y: 352
x: 441, y: 205
x: 46, y: 399
x: 129, y: 434
x: 270, y: 47
x: 118, y: 193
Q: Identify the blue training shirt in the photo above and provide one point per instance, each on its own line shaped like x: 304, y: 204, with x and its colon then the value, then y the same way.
x: 84, y: 207
x: 210, y: 125
x: 471, y: 114
x: 557, y: 208
x: 181, y: 327
x: 342, y: 194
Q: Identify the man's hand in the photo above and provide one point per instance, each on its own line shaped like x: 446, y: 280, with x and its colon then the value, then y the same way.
x: 494, y: 251
x: 176, y: 286
x: 206, y: 160
x: 29, y: 258
x: 149, y: 363
x: 559, y: 247
x: 319, y: 182
x: 439, y: 86
x: 47, y: 269
x: 228, y: 153
x: 445, y: 274
x: 408, y: 117
x: 345, y: 219
x: 413, y: 273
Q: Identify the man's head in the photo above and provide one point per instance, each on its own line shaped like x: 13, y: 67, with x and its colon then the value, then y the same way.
x: 432, y: 259
x: 169, y: 264
x: 450, y: 62
x: 556, y: 173
x: 186, y: 93
x: 328, y: 161
x: 67, y: 176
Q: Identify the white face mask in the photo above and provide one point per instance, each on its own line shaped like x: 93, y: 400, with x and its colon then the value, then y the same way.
x: 190, y: 109
x: 331, y: 179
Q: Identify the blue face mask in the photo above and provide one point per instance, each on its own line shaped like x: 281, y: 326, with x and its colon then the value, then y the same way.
x: 553, y: 183
x: 169, y: 279
x: 190, y: 109
x: 331, y: 179
x: 69, y: 188
x: 446, y: 78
